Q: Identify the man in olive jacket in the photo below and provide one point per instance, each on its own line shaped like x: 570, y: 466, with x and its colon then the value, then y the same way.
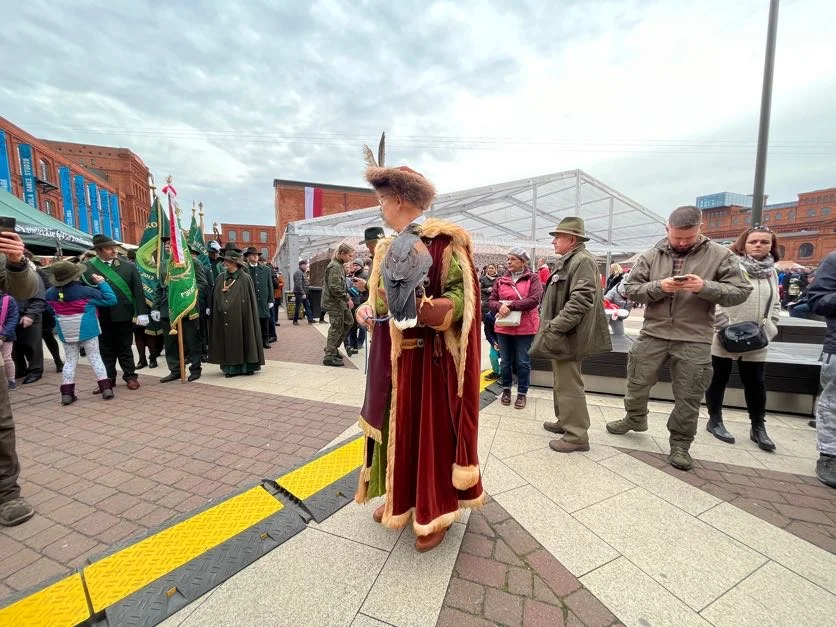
x: 336, y: 302
x: 117, y: 322
x: 573, y: 326
x: 681, y: 279
x: 18, y: 279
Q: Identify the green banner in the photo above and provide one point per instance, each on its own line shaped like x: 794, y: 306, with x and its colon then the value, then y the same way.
x: 147, y: 255
x: 182, y: 286
x: 196, y: 241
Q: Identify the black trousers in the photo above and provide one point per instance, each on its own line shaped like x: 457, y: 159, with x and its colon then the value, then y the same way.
x: 754, y: 386
x: 48, y: 328
x: 191, y: 345
x: 265, y: 329
x: 28, y: 351
x: 115, y: 343
x: 143, y: 341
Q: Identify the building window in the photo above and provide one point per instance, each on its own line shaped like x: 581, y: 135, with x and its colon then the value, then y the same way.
x: 791, y: 214
x: 747, y: 220
x: 49, y: 207
x: 245, y: 236
x: 811, y: 213
x: 806, y: 250
x: 778, y: 216
x: 264, y: 252
x: 43, y: 169
x: 734, y: 220
x: 825, y: 211
x: 262, y: 236
x: 232, y: 236
x: 781, y: 251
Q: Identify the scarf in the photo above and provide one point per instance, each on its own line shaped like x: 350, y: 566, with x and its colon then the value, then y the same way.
x: 757, y: 269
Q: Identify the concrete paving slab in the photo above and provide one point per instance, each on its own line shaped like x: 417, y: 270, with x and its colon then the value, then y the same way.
x: 773, y: 596
x: 575, y: 546
x: 637, y: 599
x: 498, y: 477
x: 354, y: 522
x: 691, y: 559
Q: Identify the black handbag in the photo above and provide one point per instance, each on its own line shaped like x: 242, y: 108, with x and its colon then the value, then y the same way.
x: 744, y: 337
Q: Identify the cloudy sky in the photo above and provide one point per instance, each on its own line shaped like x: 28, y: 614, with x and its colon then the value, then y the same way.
x: 658, y: 98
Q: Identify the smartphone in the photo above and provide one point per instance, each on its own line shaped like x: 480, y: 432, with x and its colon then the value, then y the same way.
x: 679, y: 278
x: 7, y: 223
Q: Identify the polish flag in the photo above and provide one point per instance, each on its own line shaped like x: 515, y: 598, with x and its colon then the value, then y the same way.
x: 313, y: 202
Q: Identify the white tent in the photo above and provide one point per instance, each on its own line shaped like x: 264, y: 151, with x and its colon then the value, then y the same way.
x: 517, y: 213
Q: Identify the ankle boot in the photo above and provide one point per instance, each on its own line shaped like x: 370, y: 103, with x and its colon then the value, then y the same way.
x: 68, y: 394
x: 758, y: 436
x: 716, y: 428
x: 106, y: 387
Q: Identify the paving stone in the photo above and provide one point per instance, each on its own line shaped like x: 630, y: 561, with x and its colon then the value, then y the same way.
x: 719, y: 490
x: 590, y: 610
x: 553, y: 573
x: 803, y: 513
x: 520, y: 541
x: 477, y: 545
x: 450, y: 617
x: 69, y: 547
x: 494, y: 513
x: 503, y: 553
x: 481, y: 570
x: 803, y: 500
x: 465, y: 595
x: 72, y: 512
x: 812, y: 536
x: 503, y: 608
x: 543, y: 593
x: 478, y: 524
x: 762, y: 510
x: 520, y: 581
x: 538, y: 614
x: 15, y: 558
x: 42, y: 569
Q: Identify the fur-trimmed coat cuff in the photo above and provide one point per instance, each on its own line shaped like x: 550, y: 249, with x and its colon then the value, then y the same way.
x: 465, y: 477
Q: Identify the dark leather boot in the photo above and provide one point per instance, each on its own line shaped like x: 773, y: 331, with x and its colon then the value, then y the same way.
x: 759, y: 437
x: 68, y: 394
x: 716, y: 428
x: 106, y: 387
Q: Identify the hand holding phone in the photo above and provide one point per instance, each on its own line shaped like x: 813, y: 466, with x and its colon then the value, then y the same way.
x: 680, y: 278
x: 10, y: 243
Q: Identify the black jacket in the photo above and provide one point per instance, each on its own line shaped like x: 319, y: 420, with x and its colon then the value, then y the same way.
x: 821, y: 294
x: 485, y: 286
x: 124, y: 310
x: 33, y: 307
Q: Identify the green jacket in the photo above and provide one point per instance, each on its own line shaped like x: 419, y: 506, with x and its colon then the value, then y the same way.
x: 124, y: 310
x: 685, y: 316
x: 263, y: 284
x: 573, y: 325
x: 334, y: 291
x: 161, y: 293
x: 20, y: 281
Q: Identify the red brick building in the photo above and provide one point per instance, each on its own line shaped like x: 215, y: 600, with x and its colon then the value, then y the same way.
x: 125, y: 171
x: 41, y: 187
x: 262, y: 236
x: 806, y: 228
x: 289, y: 201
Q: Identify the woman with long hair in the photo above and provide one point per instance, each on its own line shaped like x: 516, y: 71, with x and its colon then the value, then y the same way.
x: 615, y: 277
x: 757, y: 248
x: 515, y: 299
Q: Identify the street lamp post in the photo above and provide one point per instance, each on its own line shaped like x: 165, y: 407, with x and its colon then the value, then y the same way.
x: 766, y: 108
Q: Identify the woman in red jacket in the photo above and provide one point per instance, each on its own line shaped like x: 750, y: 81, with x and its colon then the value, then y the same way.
x: 515, y: 299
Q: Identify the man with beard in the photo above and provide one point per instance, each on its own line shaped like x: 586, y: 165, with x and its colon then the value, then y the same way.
x: 234, y: 328
x: 117, y: 321
x: 681, y: 279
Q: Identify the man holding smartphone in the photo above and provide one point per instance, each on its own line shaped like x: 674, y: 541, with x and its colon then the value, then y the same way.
x: 681, y: 279
x: 19, y: 279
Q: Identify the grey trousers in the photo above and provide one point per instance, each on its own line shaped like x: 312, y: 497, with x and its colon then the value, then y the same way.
x: 690, y: 375
x: 570, y: 401
x: 826, y: 412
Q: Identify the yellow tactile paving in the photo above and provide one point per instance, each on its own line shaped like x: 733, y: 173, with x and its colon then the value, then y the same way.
x: 63, y: 604
x: 119, y: 575
x: 484, y: 383
x: 316, y: 475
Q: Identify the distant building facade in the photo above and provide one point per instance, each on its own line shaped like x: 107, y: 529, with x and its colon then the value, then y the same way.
x: 57, y: 185
x: 806, y: 228
x: 125, y: 171
x: 261, y: 236
x: 291, y: 198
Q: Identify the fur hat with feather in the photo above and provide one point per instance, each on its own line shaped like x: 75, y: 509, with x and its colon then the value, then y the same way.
x: 402, y: 181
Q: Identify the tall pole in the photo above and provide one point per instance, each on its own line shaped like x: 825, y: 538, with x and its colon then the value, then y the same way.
x: 766, y: 108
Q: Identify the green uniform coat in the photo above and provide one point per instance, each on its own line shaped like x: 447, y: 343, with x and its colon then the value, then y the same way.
x: 124, y: 310
x: 234, y: 329
x: 263, y: 284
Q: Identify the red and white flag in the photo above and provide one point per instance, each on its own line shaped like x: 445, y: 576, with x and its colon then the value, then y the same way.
x: 174, y: 229
x: 313, y: 202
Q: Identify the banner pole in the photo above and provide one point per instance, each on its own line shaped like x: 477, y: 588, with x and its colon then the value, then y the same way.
x: 180, y: 350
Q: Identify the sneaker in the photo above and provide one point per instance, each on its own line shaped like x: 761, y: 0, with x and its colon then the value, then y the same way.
x: 492, y: 376
x: 12, y: 384
x: 680, y: 458
x: 826, y: 470
x: 15, y: 512
x: 620, y: 427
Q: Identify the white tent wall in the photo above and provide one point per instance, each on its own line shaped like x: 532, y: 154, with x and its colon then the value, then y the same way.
x: 516, y: 213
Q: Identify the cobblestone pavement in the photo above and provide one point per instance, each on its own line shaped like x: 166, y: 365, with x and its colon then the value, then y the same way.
x: 98, y: 472
x: 799, y: 504
x: 503, y: 576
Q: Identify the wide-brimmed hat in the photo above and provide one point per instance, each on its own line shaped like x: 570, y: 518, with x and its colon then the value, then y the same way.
x: 230, y: 247
x: 372, y: 234
x: 63, y: 272
x: 235, y: 255
x: 251, y: 251
x: 571, y: 226
x: 100, y: 241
